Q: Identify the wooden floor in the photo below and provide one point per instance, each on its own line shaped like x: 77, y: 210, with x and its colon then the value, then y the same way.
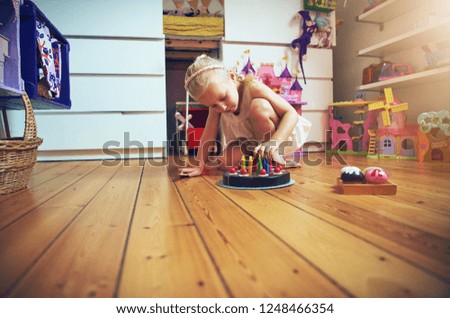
x: 128, y: 229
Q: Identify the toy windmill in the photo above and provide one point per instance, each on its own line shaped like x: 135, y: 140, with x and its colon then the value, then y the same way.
x: 388, y: 105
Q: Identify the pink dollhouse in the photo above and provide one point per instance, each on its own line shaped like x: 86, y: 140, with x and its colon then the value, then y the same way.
x: 393, y: 138
x: 267, y: 75
x: 285, y: 83
x: 399, y: 143
x: 295, y: 93
x: 351, y: 136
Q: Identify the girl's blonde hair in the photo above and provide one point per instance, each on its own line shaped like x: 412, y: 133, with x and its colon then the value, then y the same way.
x: 201, y: 72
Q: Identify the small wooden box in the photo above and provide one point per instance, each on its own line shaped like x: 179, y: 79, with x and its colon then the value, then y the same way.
x: 367, y: 188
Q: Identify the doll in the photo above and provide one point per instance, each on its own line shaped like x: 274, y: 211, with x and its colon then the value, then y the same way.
x: 301, y: 43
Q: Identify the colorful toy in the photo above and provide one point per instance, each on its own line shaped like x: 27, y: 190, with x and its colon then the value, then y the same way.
x: 370, y: 181
x: 393, y: 70
x: 295, y: 93
x: 248, y: 68
x: 393, y: 138
x: 397, y: 143
x: 437, y: 54
x: 388, y: 105
x: 434, y: 136
x: 267, y: 75
x: 320, y: 5
x: 350, y: 136
x: 352, y: 174
x: 301, y: 43
x: 263, y: 177
x: 371, y: 73
x: 375, y: 175
x: 384, y: 71
x: 285, y: 81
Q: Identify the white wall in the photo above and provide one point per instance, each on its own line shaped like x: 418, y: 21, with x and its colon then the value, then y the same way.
x: 354, y: 36
x: 117, y: 77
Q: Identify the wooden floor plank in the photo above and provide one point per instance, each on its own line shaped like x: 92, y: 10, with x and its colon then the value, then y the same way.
x: 51, y: 171
x: 165, y: 255
x: 25, y: 240
x: 74, y: 232
x: 422, y: 248
x: 387, y: 206
x: 85, y: 260
x: 362, y: 268
x: 40, y: 167
x: 15, y: 207
x: 323, y: 179
x: 253, y: 262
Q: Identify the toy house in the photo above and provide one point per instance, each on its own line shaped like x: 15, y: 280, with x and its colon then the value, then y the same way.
x: 398, y: 143
x: 351, y: 135
x: 295, y: 93
x: 434, y: 137
x: 393, y: 138
x: 285, y: 83
x: 266, y: 74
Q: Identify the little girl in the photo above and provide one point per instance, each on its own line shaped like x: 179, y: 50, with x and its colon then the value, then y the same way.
x: 253, y: 119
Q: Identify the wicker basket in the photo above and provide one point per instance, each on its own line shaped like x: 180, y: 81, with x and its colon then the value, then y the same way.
x: 18, y: 155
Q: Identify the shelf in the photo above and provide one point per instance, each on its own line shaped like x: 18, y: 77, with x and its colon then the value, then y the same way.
x: 23, y: 65
x: 429, y: 76
x: 38, y: 103
x: 408, y: 40
x: 9, y: 91
x: 386, y: 11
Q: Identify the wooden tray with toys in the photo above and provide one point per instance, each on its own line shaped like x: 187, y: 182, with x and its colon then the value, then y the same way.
x: 373, y: 181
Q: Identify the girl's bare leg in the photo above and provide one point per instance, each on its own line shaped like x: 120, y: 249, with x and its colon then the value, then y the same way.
x: 264, y: 119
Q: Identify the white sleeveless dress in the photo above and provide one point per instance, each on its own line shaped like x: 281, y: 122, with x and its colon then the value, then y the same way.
x: 234, y: 127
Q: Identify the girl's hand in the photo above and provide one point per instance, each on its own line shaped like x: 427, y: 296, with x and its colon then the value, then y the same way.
x: 190, y: 172
x: 267, y: 147
x: 271, y: 148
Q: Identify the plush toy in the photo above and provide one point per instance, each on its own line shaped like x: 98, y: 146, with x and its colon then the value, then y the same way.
x: 375, y: 175
x: 351, y: 174
x: 301, y: 43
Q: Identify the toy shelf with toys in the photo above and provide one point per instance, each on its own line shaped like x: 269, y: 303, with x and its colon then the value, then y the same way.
x: 423, y: 77
x: 42, y: 65
x: 420, y: 36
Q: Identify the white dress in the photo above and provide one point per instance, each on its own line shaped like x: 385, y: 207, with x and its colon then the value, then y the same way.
x: 235, y: 127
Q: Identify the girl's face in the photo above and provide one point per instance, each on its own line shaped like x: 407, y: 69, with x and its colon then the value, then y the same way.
x: 220, y: 96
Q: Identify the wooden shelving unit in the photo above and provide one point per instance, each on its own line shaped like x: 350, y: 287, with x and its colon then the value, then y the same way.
x: 430, y: 33
x: 384, y: 12
x: 429, y: 76
x: 407, y: 40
